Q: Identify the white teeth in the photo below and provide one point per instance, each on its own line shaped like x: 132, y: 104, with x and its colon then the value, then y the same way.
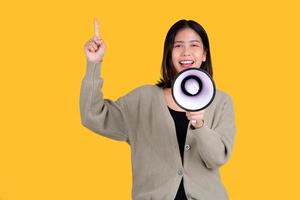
x: 186, y: 62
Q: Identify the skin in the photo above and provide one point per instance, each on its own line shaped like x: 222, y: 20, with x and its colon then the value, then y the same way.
x: 95, y: 47
x: 187, y: 46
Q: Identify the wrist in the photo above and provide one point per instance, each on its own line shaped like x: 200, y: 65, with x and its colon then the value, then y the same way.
x: 94, y: 61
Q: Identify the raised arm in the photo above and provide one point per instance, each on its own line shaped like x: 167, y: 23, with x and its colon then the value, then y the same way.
x: 100, y: 115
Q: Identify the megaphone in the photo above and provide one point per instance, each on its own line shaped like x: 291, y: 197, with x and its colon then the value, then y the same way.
x: 193, y: 89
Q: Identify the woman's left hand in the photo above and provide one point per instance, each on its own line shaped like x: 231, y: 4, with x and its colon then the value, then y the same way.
x: 196, y: 118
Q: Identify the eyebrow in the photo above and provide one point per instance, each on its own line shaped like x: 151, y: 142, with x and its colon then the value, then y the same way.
x: 179, y: 41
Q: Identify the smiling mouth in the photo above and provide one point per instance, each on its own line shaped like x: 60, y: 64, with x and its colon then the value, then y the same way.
x: 186, y: 63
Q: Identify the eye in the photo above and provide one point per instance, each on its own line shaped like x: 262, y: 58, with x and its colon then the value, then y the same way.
x: 195, y: 45
x: 177, y: 45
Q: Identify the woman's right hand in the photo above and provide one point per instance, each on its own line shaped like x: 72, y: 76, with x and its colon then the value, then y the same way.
x: 94, y: 48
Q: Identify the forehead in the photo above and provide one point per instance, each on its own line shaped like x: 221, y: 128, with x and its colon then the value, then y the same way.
x: 186, y: 35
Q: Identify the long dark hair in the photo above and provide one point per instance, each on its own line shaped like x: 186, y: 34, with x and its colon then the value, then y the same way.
x: 167, y: 68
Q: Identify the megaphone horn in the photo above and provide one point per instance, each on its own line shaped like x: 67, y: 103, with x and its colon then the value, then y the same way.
x: 193, y: 89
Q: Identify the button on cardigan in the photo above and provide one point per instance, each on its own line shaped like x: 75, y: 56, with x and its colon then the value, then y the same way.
x: 142, y: 119
x: 181, y: 123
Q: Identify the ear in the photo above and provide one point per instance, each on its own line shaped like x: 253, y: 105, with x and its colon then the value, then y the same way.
x: 204, y: 56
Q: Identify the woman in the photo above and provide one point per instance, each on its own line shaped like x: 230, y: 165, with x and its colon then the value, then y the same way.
x: 172, y: 158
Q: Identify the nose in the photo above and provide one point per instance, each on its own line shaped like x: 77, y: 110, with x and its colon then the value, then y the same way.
x: 186, y: 52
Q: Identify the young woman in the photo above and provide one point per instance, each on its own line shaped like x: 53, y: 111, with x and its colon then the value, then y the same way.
x: 172, y: 158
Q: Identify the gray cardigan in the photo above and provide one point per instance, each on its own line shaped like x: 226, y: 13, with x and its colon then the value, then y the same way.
x: 142, y: 119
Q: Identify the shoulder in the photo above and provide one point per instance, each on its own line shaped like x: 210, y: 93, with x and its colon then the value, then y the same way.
x: 144, y: 92
x: 222, y: 95
x: 221, y: 98
x: 148, y: 88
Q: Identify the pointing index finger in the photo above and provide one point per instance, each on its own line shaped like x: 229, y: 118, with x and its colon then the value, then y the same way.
x: 96, y: 28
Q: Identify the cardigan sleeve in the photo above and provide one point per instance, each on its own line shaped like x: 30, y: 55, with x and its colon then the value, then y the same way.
x: 102, y: 116
x: 215, y: 144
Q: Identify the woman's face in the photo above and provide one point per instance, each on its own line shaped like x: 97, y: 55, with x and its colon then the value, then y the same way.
x: 188, y: 50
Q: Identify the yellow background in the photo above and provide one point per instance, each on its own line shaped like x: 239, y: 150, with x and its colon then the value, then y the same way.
x: 45, y: 152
